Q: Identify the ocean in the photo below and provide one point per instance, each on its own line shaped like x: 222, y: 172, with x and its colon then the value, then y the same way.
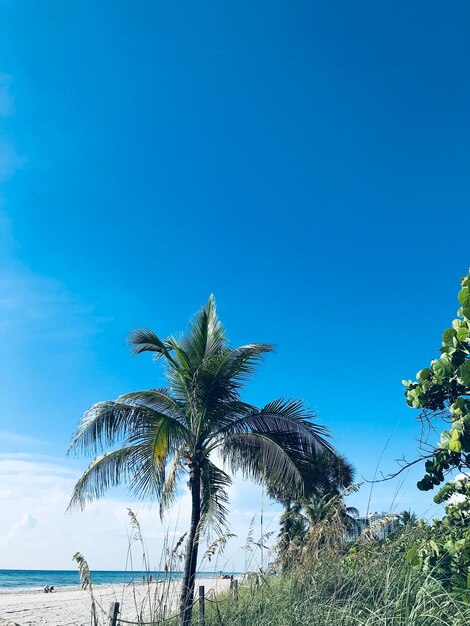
x: 18, y: 579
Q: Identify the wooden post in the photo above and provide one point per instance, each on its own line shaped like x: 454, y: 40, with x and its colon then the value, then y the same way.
x: 235, y: 589
x: 113, y: 613
x: 202, y: 594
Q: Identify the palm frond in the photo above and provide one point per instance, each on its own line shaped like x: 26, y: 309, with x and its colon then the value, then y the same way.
x: 145, y: 340
x: 157, y: 443
x: 159, y: 400
x: 104, y: 472
x: 106, y: 422
x: 328, y: 473
x: 219, y: 381
x: 173, y: 473
x: 236, y: 366
x: 263, y: 457
x: 206, y: 335
x: 284, y: 417
x: 214, y: 497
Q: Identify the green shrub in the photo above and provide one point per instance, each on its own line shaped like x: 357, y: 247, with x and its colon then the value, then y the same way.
x: 371, y: 585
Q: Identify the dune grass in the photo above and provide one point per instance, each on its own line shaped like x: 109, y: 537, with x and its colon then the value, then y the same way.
x: 365, y: 583
x: 373, y: 587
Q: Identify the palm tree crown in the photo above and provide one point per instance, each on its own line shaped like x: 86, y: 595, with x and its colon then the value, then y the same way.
x: 161, y: 434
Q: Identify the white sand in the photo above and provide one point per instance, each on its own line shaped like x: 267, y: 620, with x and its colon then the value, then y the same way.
x: 72, y: 607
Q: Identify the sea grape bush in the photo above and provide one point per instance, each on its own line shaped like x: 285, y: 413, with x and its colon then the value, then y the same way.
x: 445, y: 387
x: 444, y: 548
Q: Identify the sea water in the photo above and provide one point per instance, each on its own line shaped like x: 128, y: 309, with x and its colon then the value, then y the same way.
x: 21, y: 579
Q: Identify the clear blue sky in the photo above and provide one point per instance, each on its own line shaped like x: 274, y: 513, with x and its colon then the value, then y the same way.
x: 306, y: 162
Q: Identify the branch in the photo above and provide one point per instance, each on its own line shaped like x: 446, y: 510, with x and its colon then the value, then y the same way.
x: 407, y: 465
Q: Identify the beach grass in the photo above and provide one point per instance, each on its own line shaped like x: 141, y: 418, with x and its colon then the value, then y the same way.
x: 377, y: 588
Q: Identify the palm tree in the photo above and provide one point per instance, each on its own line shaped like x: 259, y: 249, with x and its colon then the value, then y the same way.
x: 331, y: 474
x: 292, y: 531
x: 407, y: 518
x: 327, y: 476
x: 162, y: 434
x: 330, y: 523
x: 319, y: 509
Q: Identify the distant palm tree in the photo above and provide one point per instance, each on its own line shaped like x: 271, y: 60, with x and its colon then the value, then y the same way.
x: 407, y: 518
x: 331, y: 474
x: 327, y: 476
x: 293, y: 528
x: 319, y: 509
x: 163, y: 434
x: 330, y: 523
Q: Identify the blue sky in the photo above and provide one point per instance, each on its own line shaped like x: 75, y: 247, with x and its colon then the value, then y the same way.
x: 305, y: 162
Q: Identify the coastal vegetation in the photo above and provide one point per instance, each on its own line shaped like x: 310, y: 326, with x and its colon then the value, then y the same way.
x: 328, y: 571
x: 166, y: 433
x: 442, y: 393
x: 369, y: 583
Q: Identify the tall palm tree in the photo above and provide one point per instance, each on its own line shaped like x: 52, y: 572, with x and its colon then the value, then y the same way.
x: 162, y: 434
x: 328, y: 475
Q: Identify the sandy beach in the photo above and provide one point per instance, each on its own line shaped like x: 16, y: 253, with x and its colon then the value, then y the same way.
x: 72, y: 607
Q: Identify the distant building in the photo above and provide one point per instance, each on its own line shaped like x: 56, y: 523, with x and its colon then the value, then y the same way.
x: 379, y: 525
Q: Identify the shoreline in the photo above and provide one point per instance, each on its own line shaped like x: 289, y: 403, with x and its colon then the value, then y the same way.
x: 62, y: 588
x: 128, y: 578
x: 72, y: 606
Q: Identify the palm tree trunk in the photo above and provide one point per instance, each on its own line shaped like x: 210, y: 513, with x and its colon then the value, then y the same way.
x: 189, y: 574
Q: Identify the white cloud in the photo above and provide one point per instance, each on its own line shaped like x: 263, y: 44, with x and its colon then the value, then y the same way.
x: 27, y: 521
x: 35, y: 531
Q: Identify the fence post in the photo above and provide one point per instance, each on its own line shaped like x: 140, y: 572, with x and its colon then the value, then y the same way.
x: 202, y: 593
x: 235, y: 589
x: 113, y: 613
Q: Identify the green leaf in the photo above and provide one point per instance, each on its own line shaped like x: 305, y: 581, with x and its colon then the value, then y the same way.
x: 445, y: 438
x: 425, y: 484
x: 442, y: 367
x: 424, y: 374
x: 412, y: 556
x: 464, y: 373
x: 455, y: 445
x: 448, y: 335
x: 463, y: 405
x: 464, y: 297
x: 462, y: 334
